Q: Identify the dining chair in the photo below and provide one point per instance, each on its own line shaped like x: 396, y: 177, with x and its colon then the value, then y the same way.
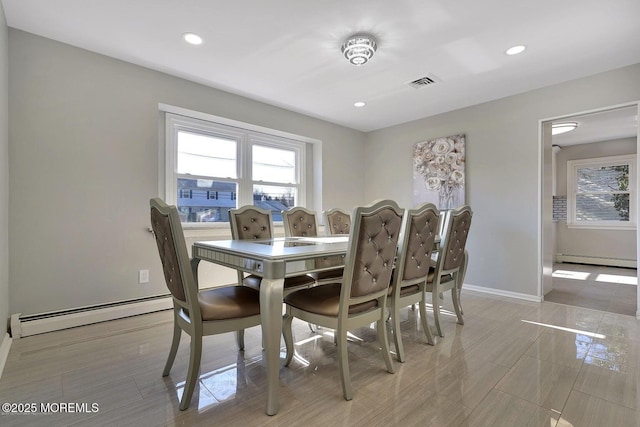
x: 451, y: 263
x: 301, y: 222
x: 361, y: 298
x: 198, y: 313
x: 336, y: 221
x: 250, y: 222
x: 419, y: 230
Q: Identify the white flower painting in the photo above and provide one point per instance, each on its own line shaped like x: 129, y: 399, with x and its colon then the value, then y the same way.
x: 438, y: 172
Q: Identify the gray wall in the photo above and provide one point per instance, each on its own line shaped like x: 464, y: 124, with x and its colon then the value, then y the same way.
x: 84, y: 162
x: 502, y: 169
x: 587, y: 242
x: 4, y: 174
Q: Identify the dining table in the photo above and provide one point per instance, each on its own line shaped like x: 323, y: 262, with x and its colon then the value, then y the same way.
x: 273, y: 260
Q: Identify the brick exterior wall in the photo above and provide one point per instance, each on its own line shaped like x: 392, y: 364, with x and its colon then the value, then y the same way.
x: 559, y: 208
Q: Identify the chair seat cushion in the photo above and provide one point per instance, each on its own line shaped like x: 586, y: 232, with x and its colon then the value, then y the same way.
x: 328, y: 275
x: 253, y: 281
x: 431, y: 276
x: 323, y: 300
x: 229, y: 302
x: 407, y: 290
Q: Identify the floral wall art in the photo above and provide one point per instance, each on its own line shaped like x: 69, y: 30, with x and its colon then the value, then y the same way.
x: 438, y: 172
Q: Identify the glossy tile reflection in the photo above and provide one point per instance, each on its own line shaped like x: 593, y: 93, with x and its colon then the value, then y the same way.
x: 513, y: 363
x: 610, y: 289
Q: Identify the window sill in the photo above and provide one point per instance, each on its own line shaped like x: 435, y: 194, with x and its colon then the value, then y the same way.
x: 600, y: 226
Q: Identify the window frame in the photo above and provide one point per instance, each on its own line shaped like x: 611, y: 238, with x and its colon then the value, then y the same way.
x: 572, y: 187
x: 246, y: 135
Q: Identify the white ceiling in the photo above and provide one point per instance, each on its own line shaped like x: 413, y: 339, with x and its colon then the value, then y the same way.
x: 287, y: 52
x: 602, y: 126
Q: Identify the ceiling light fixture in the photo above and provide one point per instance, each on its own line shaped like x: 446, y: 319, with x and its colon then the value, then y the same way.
x: 359, y: 49
x: 515, y: 50
x: 558, y: 128
x: 359, y: 104
x: 192, y: 38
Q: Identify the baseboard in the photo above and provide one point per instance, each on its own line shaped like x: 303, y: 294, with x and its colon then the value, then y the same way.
x: 596, y: 260
x: 24, y: 326
x: 5, y: 346
x: 501, y: 293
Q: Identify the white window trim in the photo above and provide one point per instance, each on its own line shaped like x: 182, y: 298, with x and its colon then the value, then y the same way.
x: 573, y: 165
x: 172, y: 116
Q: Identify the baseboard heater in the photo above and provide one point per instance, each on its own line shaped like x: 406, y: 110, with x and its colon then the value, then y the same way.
x: 33, y: 324
x: 582, y: 259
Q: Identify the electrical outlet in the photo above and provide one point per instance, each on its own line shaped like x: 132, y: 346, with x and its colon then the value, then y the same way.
x: 143, y: 276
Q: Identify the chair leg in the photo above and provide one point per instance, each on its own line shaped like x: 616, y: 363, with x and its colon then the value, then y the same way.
x: 287, y: 333
x: 194, y: 369
x: 384, y: 343
x: 435, y: 301
x: 343, y: 363
x: 461, y: 274
x: 175, y: 343
x: 240, y: 339
x: 425, y: 323
x: 397, y: 338
x: 456, y: 304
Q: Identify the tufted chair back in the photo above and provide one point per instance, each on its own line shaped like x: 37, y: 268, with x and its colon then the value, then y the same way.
x: 299, y: 222
x: 372, y: 248
x: 419, y: 233
x: 456, y: 233
x: 336, y: 221
x: 250, y: 222
x: 165, y: 222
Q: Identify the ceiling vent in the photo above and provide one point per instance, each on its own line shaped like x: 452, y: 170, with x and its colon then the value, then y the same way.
x: 424, y: 81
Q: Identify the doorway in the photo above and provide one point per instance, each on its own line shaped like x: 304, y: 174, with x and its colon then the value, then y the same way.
x: 584, y: 262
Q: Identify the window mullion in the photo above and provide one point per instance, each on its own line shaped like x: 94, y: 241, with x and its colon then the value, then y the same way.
x: 244, y: 169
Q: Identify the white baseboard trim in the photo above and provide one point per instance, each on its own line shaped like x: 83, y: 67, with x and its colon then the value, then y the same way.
x: 501, y: 293
x: 595, y: 260
x: 5, y: 346
x: 24, y: 327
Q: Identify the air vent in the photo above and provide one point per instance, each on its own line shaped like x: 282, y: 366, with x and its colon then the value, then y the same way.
x: 424, y: 81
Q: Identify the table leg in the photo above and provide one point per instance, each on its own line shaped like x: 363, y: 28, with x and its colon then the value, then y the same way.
x: 271, y: 294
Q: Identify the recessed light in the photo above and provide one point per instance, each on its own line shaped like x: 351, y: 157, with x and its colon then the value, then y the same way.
x: 515, y: 50
x: 192, y: 38
x: 359, y: 104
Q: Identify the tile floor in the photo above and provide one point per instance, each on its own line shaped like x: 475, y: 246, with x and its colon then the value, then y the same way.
x: 513, y: 363
x: 599, y: 287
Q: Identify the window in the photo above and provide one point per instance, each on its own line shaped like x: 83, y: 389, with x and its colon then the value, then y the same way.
x: 213, y: 167
x: 601, y: 192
